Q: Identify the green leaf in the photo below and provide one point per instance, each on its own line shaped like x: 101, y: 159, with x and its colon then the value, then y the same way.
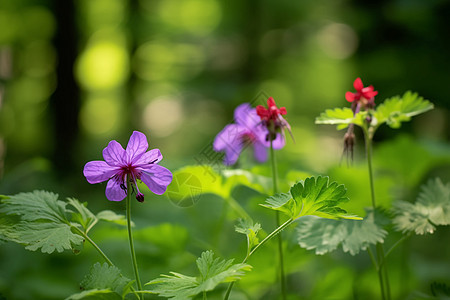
x: 281, y: 203
x: 83, y: 215
x: 212, y: 273
x: 110, y: 216
x: 251, y: 230
x: 38, y: 220
x: 193, y: 181
x: 341, y: 117
x: 47, y: 237
x: 315, y: 197
x: 398, y: 109
x: 106, y: 277
x: 38, y: 205
x: 431, y: 209
x: 326, y: 235
x: 236, y: 177
x: 95, y: 294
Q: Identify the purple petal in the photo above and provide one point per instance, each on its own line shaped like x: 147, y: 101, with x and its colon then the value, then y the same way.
x: 98, y: 171
x: 114, y: 191
x: 260, y: 152
x: 229, y: 140
x: 114, y: 154
x: 156, y: 177
x: 151, y: 157
x: 261, y: 133
x: 246, y: 116
x: 137, y: 145
x: 228, y: 136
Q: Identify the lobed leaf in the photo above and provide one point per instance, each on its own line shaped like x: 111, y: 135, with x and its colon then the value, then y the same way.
x: 315, y: 197
x: 82, y: 215
x: 251, y: 230
x: 47, y: 237
x: 38, y: 205
x: 106, y: 277
x: 110, y: 216
x: 326, y: 235
x: 213, y: 271
x: 431, y: 209
x: 395, y: 110
x: 341, y: 117
x: 38, y: 220
x: 95, y: 294
x: 193, y: 181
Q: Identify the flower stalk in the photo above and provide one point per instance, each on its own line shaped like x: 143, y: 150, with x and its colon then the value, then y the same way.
x: 380, y: 263
x: 277, y: 220
x: 130, y: 238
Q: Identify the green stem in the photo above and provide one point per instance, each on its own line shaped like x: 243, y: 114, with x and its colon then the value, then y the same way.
x: 130, y: 238
x: 83, y: 234
x: 372, y: 258
x: 277, y: 220
x: 265, y: 240
x: 394, y: 246
x: 369, y: 165
x: 382, y: 268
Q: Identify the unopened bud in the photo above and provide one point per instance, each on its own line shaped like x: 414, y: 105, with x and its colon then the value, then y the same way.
x: 140, y: 197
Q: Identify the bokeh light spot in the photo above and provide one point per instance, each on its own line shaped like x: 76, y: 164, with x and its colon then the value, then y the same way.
x: 163, y: 116
x: 338, y: 41
x: 103, y: 65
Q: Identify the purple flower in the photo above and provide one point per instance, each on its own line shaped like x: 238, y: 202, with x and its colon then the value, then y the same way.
x: 247, y: 130
x: 131, y: 164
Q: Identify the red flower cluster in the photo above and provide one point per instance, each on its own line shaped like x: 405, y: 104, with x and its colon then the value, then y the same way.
x: 271, y: 112
x: 366, y: 93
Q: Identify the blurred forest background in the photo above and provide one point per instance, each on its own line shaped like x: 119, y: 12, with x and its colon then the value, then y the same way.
x: 75, y: 74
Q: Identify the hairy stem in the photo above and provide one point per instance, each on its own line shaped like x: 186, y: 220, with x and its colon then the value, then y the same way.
x: 381, y: 263
x: 277, y: 220
x: 130, y: 238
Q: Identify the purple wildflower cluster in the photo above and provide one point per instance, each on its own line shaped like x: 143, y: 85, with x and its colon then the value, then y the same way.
x: 249, y: 129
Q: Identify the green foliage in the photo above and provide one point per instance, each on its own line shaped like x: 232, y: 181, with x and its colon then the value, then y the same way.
x: 38, y: 205
x: 313, y: 197
x: 105, y: 277
x: 38, y: 220
x: 212, y: 273
x: 326, y: 235
x: 431, y: 209
x: 83, y: 216
x: 192, y: 181
x: 95, y: 294
x: 392, y: 111
x: 398, y: 109
x: 341, y: 117
x: 110, y: 216
x: 439, y: 289
x: 103, y: 282
x: 250, y: 230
